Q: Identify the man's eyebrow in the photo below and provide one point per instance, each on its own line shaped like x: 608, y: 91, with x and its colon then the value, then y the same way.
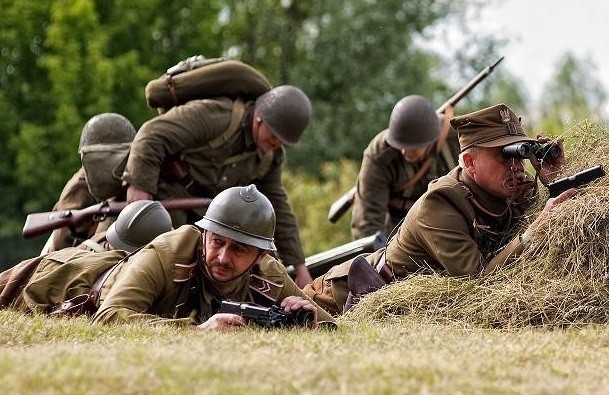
x: 238, y: 243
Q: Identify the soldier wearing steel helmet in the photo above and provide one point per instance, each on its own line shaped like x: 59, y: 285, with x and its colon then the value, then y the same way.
x: 398, y: 164
x: 203, y: 147
x: 103, y: 149
x: 181, y: 277
x: 52, y: 282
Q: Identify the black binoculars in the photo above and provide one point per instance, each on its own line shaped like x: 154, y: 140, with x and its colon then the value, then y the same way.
x: 527, y: 149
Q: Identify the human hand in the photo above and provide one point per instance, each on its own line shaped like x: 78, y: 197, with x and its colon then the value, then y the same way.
x: 296, y: 303
x: 552, y: 203
x: 549, y: 168
x: 134, y: 193
x: 303, y: 277
x: 222, y: 321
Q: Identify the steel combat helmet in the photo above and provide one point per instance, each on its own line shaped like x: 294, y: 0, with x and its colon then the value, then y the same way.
x: 286, y: 110
x: 138, y: 224
x: 413, y: 124
x: 242, y: 214
x: 106, y: 128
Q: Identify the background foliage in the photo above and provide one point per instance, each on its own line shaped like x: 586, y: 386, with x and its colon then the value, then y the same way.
x: 63, y: 61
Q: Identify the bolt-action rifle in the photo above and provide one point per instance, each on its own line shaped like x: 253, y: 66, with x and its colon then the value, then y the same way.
x: 40, y: 223
x: 342, y: 204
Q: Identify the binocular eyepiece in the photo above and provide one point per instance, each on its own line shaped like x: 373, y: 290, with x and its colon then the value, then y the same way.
x: 526, y: 150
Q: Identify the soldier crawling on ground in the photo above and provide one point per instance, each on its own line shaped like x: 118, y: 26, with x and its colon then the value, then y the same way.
x: 62, y: 280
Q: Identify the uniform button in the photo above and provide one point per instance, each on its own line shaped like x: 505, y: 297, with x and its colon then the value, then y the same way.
x: 233, y: 165
x: 224, y: 178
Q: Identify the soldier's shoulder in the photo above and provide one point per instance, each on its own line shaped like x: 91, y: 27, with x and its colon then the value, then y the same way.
x: 271, y: 268
x: 177, y: 245
x: 267, y: 280
x: 379, y: 150
x: 448, y: 188
x: 448, y: 183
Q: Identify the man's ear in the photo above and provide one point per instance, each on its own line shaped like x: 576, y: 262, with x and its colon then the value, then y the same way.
x: 468, y: 162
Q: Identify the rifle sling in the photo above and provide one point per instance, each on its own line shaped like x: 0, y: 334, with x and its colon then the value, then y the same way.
x: 95, y: 293
x: 183, y: 176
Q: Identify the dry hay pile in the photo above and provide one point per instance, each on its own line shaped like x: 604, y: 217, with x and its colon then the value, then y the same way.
x: 561, y: 279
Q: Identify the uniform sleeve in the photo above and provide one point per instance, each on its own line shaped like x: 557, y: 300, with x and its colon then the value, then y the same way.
x: 291, y: 289
x: 447, y: 239
x: 75, y: 195
x: 287, y: 237
x: 136, y: 289
x: 190, y: 125
x: 371, y: 199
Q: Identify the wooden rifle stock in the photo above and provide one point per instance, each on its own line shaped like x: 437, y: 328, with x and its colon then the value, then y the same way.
x: 344, y: 203
x: 40, y: 223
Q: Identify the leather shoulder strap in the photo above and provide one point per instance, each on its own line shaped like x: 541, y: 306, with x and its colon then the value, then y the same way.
x: 231, y: 130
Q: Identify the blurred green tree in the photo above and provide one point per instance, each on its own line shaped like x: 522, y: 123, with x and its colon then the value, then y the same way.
x: 573, y: 93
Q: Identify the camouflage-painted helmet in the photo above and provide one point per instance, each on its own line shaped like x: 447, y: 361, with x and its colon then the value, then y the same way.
x: 107, y: 128
x: 413, y: 123
x: 138, y: 224
x: 242, y: 214
x: 286, y: 110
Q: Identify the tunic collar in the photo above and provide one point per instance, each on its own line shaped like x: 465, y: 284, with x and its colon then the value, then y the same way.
x: 493, y: 205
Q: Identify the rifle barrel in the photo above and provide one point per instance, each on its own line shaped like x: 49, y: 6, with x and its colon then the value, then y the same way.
x: 461, y: 93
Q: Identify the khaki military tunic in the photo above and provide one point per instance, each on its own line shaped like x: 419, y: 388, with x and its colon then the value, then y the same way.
x: 382, y: 199
x: 455, y: 228
x: 42, y: 283
x: 190, y: 132
x: 75, y: 195
x: 164, y: 283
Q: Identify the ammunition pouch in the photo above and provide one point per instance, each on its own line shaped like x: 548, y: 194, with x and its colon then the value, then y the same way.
x: 78, y: 305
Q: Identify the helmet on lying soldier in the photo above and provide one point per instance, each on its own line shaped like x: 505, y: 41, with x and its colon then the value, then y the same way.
x: 138, y: 224
x: 286, y: 110
x: 242, y: 214
x: 413, y: 124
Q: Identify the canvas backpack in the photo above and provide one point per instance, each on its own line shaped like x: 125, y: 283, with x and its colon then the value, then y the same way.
x: 200, y: 78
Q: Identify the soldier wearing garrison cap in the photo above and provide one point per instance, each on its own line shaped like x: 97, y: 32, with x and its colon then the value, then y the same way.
x: 465, y: 224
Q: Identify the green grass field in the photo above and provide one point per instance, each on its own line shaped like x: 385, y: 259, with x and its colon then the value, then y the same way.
x: 41, y: 355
